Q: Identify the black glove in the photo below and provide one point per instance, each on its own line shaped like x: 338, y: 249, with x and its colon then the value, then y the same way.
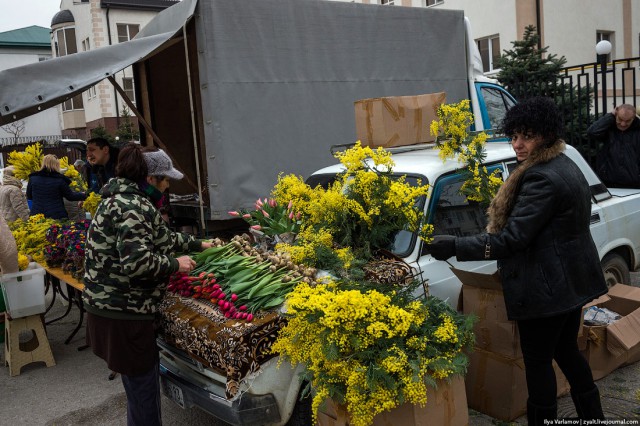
x: 443, y: 247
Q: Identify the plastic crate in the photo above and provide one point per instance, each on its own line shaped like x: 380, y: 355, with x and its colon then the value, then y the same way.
x: 24, y: 291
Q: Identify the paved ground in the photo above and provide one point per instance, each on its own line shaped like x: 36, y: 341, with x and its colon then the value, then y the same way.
x: 77, y: 392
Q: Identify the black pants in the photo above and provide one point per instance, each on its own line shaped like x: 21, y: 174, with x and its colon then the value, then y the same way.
x: 143, y: 398
x: 545, y: 339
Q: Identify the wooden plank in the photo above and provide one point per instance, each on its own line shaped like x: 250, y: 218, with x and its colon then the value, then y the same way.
x: 67, y: 278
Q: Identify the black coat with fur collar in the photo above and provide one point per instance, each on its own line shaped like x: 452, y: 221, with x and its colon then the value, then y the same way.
x: 539, y: 232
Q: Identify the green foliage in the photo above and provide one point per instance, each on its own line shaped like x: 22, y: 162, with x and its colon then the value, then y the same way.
x: 525, y: 71
x: 127, y: 131
x: 528, y: 71
x: 101, y: 132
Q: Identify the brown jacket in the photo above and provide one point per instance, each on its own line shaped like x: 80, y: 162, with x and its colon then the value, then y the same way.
x: 8, y: 249
x: 13, y: 203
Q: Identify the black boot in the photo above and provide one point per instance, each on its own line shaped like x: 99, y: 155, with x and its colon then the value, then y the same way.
x: 588, y: 404
x: 537, y: 414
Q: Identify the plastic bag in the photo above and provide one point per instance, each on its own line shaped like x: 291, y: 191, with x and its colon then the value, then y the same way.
x: 600, y: 316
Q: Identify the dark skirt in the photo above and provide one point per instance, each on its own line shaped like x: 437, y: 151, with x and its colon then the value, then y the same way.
x: 128, y: 346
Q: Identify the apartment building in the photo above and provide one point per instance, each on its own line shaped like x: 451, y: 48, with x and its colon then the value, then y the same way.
x: 570, y: 28
x: 24, y: 46
x: 83, y: 25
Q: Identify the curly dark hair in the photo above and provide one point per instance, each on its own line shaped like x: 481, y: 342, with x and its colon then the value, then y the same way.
x: 535, y: 116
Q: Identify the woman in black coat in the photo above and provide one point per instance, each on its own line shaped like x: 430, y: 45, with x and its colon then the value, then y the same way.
x: 539, y: 232
x: 47, y: 188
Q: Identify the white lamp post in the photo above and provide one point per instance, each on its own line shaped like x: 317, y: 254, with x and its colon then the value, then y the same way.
x: 603, y: 48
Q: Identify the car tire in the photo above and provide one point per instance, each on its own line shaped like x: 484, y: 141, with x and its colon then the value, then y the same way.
x: 301, y: 415
x: 615, y: 270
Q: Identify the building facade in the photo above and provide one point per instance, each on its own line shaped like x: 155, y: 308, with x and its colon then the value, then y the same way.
x: 21, y: 47
x: 83, y: 25
x: 570, y: 28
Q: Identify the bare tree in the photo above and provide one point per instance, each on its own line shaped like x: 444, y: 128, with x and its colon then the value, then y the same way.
x: 16, y: 129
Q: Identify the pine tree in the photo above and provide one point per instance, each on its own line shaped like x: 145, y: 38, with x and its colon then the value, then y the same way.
x: 127, y: 131
x: 101, y: 132
x: 525, y: 71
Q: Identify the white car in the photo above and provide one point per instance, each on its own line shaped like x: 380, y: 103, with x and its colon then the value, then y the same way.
x: 615, y: 215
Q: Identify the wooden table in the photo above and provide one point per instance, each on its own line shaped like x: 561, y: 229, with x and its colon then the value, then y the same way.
x: 56, y: 276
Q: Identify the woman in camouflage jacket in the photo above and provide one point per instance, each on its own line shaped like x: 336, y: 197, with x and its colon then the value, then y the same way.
x: 129, y: 258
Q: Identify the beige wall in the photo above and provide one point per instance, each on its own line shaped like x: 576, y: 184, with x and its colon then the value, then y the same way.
x: 568, y: 26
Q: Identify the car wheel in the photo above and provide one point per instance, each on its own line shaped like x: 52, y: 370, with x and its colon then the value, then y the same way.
x: 301, y: 415
x: 615, y: 270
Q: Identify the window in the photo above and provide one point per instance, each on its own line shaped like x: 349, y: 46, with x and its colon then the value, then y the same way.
x: 65, y: 41
x: 388, y: 2
x: 489, y: 51
x: 127, y: 86
x: 127, y: 31
x: 73, y: 103
x: 453, y: 214
x: 433, y: 2
x: 91, y: 93
x: 605, y: 35
x: 497, y: 103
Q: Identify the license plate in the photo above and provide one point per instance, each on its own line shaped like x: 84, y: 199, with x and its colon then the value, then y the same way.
x: 174, y: 393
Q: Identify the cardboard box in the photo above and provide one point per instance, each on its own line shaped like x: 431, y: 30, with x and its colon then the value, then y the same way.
x: 497, y: 386
x: 482, y: 297
x: 446, y: 406
x: 617, y: 344
x: 398, y: 120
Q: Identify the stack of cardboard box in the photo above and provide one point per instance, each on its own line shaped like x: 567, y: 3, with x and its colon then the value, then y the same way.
x: 608, y: 347
x: 495, y: 382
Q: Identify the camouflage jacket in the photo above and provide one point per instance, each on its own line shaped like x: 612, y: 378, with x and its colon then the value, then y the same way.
x: 129, y: 254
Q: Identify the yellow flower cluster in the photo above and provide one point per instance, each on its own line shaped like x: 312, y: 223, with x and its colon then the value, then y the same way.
x: 362, y: 209
x: 91, y: 203
x: 292, y: 188
x: 452, y: 124
x: 26, y: 162
x: 77, y: 183
x: 30, y: 236
x: 23, y: 262
x: 306, y: 253
x: 365, y: 351
x: 353, y: 159
x: 447, y: 331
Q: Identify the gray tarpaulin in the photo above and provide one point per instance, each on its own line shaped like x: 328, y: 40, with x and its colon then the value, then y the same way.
x: 29, y: 89
x: 277, y: 80
x: 280, y: 78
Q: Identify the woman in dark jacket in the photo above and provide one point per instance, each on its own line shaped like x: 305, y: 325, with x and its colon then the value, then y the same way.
x: 539, y: 232
x: 47, y: 188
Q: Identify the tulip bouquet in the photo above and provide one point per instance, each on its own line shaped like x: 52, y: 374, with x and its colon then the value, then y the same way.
x: 271, y: 217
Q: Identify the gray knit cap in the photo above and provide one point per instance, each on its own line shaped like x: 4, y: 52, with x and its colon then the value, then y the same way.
x: 159, y: 164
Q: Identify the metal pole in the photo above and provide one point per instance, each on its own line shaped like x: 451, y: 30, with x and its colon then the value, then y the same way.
x: 603, y: 71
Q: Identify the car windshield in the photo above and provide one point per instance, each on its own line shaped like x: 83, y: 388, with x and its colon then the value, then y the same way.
x: 404, y: 240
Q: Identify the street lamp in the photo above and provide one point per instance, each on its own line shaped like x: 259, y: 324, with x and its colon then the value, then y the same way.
x: 603, y: 48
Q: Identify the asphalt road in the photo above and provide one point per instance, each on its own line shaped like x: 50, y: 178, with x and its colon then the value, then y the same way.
x: 76, y: 391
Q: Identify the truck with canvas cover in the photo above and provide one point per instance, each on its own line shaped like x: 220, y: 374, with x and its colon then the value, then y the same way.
x: 237, y: 92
